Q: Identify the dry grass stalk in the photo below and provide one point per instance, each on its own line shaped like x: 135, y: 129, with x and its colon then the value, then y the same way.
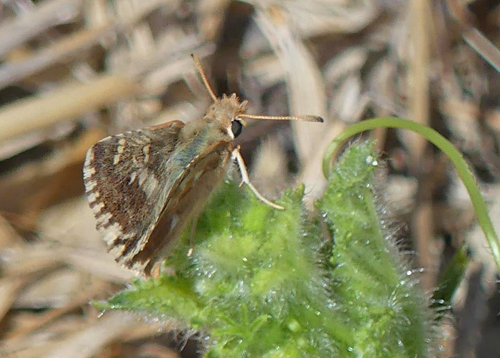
x: 96, y: 67
x: 68, y: 102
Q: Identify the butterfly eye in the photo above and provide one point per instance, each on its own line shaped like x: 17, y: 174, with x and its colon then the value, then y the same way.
x: 236, y: 128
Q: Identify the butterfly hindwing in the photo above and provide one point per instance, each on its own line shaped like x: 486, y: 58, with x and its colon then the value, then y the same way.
x: 186, y: 199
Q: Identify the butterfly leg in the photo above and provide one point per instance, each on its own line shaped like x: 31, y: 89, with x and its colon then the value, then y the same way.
x: 246, y: 180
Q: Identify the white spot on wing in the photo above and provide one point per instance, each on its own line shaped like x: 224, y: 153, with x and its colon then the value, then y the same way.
x: 133, y: 176
x: 148, y: 183
x: 88, y: 171
x: 146, y: 151
x: 103, y: 219
x: 143, y: 176
x: 97, y: 208
x: 90, y: 185
x: 91, y: 197
x: 90, y: 156
x: 120, y: 149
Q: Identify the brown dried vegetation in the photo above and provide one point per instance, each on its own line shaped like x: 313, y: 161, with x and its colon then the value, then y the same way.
x: 73, y: 71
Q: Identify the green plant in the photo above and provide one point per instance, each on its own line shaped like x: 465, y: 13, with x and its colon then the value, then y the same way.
x: 270, y: 283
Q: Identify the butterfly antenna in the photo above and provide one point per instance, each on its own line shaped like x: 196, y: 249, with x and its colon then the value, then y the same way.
x: 203, y: 76
x: 306, y: 118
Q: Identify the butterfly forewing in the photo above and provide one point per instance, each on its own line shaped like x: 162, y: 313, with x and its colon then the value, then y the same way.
x: 126, y: 180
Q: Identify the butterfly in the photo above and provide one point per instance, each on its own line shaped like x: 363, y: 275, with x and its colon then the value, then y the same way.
x: 145, y: 186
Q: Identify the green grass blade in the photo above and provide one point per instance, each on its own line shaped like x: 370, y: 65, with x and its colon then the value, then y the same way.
x: 447, y: 147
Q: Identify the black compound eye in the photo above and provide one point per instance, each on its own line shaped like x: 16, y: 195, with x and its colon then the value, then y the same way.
x: 236, y: 128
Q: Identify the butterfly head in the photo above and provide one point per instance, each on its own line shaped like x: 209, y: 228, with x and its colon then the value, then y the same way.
x: 226, y: 111
x: 229, y: 112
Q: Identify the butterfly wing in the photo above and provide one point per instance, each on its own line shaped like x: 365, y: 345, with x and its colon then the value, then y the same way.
x: 126, y: 180
x: 186, y: 199
x: 144, y: 187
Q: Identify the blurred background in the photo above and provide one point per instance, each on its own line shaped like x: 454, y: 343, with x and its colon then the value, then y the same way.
x: 74, y: 71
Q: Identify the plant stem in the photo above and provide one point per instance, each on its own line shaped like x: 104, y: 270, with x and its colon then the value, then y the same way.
x: 447, y: 147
